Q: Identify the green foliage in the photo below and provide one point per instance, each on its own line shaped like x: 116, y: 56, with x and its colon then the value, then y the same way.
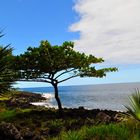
x: 134, y: 107
x: 2, y: 98
x: 133, y: 126
x: 108, y: 132
x: 10, y: 114
x: 55, y: 127
x: 72, y: 135
x: 136, y: 137
x: 101, y: 132
x: 8, y: 94
x: 51, y: 62
x: 7, y: 114
x: 7, y: 76
x: 118, y: 131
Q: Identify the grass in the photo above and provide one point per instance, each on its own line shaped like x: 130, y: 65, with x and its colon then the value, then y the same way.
x: 72, y: 135
x: 101, y: 132
x: 110, y: 132
x: 10, y: 114
x: 8, y: 94
x: 7, y: 114
x: 2, y: 98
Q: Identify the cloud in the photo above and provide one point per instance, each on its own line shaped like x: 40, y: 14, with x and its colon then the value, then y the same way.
x: 109, y: 29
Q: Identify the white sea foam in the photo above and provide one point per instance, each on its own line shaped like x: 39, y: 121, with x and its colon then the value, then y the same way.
x: 49, y: 97
x: 40, y: 104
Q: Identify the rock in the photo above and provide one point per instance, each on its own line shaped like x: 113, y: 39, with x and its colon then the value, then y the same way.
x: 30, y: 135
x: 118, y: 117
x: 29, y: 97
x: 23, y: 100
x: 81, y: 108
x: 103, y: 117
x: 27, y: 134
x: 9, y: 132
x: 37, y: 137
x: 45, y: 132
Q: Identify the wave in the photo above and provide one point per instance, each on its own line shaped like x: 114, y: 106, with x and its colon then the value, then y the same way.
x: 49, y: 97
x: 48, y: 105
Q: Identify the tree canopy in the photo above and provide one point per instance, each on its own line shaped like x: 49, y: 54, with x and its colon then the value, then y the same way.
x: 48, y: 63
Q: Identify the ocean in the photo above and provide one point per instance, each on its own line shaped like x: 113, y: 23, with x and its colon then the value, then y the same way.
x: 104, y: 96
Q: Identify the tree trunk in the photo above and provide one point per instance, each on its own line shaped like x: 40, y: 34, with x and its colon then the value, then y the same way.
x: 57, y: 98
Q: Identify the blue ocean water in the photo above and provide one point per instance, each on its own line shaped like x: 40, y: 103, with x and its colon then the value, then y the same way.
x: 105, y: 96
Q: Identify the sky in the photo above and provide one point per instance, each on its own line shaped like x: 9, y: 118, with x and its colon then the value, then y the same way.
x: 104, y: 28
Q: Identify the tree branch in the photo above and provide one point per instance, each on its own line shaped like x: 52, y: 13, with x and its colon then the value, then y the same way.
x: 34, y: 80
x: 65, y: 72
x: 68, y: 78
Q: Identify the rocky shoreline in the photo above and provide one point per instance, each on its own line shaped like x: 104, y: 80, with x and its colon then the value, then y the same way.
x: 39, y: 123
x: 23, y: 100
x: 21, y: 129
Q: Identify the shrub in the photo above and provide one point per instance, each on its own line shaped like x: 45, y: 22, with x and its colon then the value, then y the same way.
x: 134, y: 107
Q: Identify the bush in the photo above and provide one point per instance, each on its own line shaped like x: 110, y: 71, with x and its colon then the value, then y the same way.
x: 134, y: 107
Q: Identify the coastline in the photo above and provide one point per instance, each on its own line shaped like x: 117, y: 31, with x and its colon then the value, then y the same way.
x: 31, y: 121
x: 45, y: 103
x: 111, y: 97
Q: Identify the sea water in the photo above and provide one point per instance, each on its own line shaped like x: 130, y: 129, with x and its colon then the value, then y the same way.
x: 105, y: 96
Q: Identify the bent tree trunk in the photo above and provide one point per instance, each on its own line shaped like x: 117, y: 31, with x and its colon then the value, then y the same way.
x: 57, y: 97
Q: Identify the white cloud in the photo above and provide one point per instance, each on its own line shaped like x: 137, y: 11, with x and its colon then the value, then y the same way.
x: 109, y: 29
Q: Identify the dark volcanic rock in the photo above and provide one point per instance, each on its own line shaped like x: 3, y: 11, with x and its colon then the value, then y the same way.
x: 9, y: 132
x: 27, y: 134
x: 23, y: 100
x: 103, y: 117
x: 30, y: 97
x: 30, y: 135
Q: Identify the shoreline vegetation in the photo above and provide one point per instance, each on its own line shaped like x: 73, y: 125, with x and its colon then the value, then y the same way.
x: 20, y: 120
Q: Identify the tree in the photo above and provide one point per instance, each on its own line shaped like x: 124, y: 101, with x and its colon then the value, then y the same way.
x: 7, y: 76
x: 49, y: 64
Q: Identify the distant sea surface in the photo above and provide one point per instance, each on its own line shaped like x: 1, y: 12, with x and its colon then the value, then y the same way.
x: 105, y: 96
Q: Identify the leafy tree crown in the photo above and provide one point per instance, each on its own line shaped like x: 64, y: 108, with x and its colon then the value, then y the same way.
x: 51, y: 62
